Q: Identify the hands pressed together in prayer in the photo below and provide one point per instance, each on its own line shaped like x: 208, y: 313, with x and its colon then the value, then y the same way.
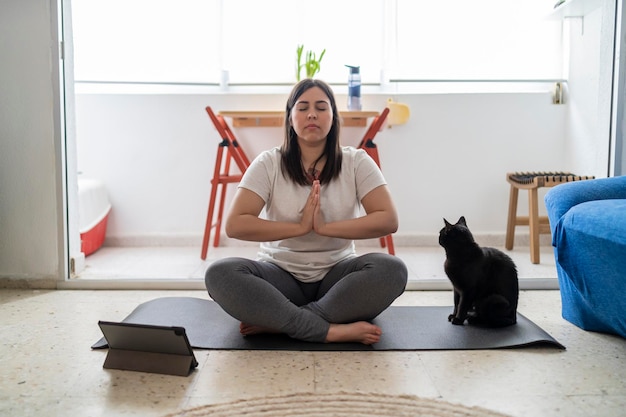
x: 312, y: 217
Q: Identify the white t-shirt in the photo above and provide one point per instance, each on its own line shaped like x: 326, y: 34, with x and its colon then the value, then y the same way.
x: 311, y: 256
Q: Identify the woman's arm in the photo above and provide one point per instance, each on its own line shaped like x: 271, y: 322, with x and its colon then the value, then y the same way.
x: 243, y: 220
x: 381, y: 218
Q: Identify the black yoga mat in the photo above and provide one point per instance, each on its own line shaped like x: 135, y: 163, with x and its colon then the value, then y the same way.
x: 404, y: 328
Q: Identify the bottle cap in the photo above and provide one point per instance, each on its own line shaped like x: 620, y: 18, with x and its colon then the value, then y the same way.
x: 353, y: 70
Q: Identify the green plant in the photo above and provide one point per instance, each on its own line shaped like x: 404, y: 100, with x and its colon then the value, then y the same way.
x: 311, y: 64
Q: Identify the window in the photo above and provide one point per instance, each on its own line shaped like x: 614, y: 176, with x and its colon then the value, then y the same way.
x: 146, y: 40
x: 476, y: 39
x: 193, y: 41
x: 261, y: 38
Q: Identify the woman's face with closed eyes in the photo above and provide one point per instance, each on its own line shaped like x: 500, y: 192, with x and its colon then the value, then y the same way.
x: 312, y: 115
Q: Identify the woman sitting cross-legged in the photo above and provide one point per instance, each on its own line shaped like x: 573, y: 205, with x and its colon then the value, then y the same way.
x: 303, y: 202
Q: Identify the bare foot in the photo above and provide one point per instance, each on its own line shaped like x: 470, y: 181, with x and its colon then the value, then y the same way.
x: 360, y: 332
x: 250, y: 329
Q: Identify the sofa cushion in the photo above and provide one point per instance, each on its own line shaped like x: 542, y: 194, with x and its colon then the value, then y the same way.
x: 590, y: 250
x: 603, y: 219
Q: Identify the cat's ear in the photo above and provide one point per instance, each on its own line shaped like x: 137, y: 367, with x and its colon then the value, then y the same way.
x: 447, y: 223
x: 462, y: 221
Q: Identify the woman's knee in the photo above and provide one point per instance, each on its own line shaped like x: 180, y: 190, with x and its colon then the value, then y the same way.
x: 394, y: 269
x: 218, y: 274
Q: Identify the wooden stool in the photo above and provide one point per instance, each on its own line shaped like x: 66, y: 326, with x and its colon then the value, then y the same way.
x: 532, y: 181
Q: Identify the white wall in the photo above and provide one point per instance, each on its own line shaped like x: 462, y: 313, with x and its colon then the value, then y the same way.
x: 31, y: 232
x: 156, y: 153
x: 590, y: 88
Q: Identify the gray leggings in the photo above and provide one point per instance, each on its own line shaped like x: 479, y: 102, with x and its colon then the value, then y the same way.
x: 262, y: 294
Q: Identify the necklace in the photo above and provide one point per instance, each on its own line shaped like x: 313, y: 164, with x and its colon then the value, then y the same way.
x: 312, y: 174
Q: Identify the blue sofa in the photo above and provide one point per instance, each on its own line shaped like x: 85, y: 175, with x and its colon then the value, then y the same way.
x: 588, y: 224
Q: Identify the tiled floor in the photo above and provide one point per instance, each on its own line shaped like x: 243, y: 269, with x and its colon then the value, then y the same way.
x: 48, y: 368
x: 156, y: 263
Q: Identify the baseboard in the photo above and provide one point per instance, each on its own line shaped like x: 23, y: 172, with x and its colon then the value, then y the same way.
x: 24, y: 283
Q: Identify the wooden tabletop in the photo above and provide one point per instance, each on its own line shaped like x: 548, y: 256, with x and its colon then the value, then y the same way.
x: 259, y: 118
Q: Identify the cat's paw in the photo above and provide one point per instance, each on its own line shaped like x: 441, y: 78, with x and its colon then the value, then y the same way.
x: 457, y: 321
x: 450, y: 317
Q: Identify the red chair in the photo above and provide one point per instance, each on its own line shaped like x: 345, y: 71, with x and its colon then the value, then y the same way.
x: 222, y: 176
x: 368, y: 145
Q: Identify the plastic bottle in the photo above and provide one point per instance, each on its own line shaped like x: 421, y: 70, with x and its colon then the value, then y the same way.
x: 354, y: 89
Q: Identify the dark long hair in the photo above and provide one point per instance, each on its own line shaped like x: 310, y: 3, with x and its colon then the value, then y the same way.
x: 291, y: 158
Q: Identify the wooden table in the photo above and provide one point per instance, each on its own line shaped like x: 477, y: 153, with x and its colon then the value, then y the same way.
x: 256, y: 118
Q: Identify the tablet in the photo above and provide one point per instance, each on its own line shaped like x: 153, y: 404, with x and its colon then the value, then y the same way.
x: 134, y: 338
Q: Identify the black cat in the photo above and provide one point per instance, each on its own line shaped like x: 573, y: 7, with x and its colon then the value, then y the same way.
x: 485, y: 282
